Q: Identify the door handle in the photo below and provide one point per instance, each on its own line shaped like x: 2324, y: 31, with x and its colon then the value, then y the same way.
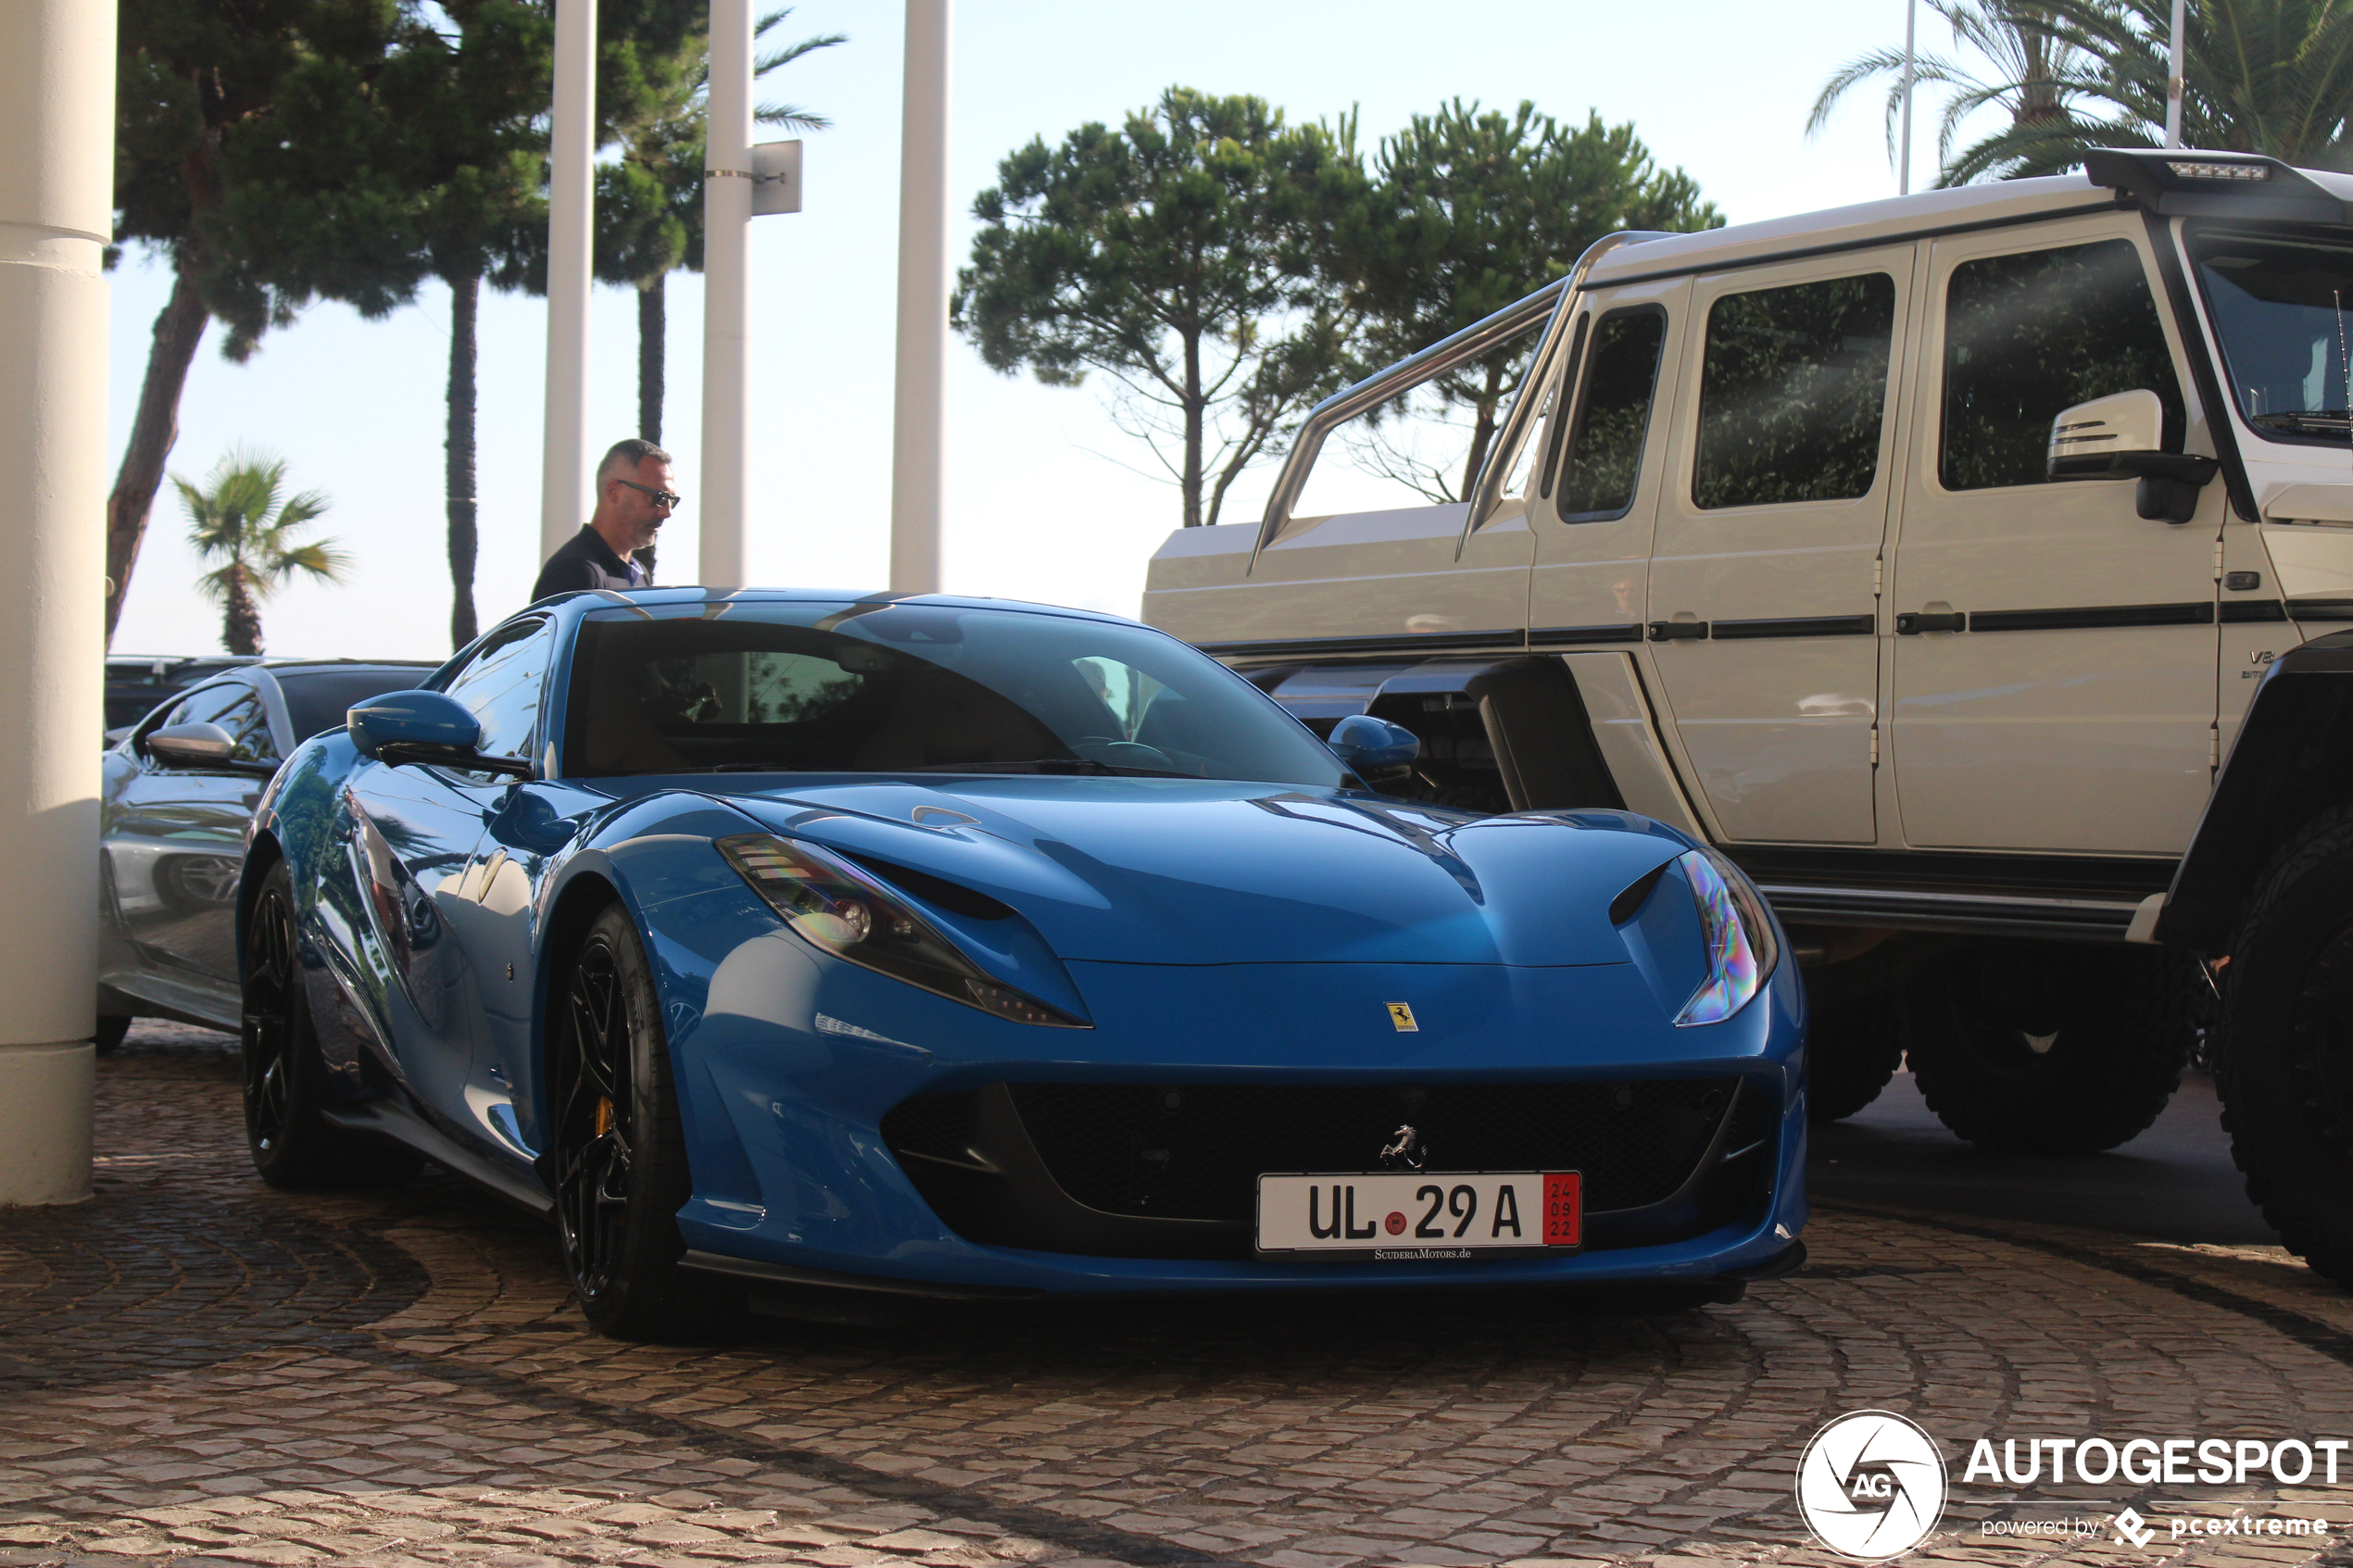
x: 1678, y: 631
x: 1912, y: 624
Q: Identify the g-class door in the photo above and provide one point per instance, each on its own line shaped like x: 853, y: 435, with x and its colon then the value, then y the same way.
x: 1595, y: 486
x: 1763, y: 611
x: 2054, y: 651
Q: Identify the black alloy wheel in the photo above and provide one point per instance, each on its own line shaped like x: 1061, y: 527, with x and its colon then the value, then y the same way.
x: 2049, y: 1047
x: 286, y: 1080
x: 619, y: 1169
x: 2287, y: 1075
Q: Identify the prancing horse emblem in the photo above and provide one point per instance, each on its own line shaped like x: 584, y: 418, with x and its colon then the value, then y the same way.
x: 1405, y: 1151
x: 1403, y: 1017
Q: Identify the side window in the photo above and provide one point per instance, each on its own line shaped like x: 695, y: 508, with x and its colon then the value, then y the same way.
x: 204, y: 706
x: 248, y: 725
x: 1792, y: 390
x: 2030, y: 336
x: 500, y: 686
x: 1612, y: 417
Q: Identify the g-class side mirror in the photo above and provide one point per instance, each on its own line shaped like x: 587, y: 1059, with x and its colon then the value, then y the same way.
x: 2123, y: 436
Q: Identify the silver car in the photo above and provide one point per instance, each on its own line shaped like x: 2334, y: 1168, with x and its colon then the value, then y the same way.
x: 176, y: 796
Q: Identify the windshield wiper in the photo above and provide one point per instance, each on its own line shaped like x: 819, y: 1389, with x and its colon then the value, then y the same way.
x: 1040, y: 765
x: 2308, y: 421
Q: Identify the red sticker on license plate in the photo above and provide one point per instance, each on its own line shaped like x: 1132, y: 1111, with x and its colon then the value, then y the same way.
x: 1564, y: 1209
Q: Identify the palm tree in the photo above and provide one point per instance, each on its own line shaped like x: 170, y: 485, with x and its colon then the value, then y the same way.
x: 242, y: 519
x: 2260, y: 76
x: 2034, y: 72
x: 649, y: 203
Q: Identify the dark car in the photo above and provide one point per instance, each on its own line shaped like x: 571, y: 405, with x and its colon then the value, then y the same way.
x: 177, y: 794
x: 137, y: 684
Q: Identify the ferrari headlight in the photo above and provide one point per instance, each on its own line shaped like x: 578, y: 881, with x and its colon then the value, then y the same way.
x: 1741, y: 948
x: 833, y: 905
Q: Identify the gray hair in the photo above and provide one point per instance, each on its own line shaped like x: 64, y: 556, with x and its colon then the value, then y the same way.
x: 623, y: 457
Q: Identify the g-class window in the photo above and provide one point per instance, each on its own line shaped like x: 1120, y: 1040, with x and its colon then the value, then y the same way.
x: 1612, y: 418
x: 2030, y: 336
x: 1792, y: 390
x: 2279, y: 304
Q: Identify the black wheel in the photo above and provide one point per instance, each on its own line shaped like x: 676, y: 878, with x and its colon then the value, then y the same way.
x: 285, y: 1090
x: 112, y: 1029
x: 620, y: 1168
x: 2051, y: 1048
x: 2286, y: 1078
x: 1851, y: 1050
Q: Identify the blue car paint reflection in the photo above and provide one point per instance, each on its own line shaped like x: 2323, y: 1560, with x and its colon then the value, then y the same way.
x: 1207, y: 932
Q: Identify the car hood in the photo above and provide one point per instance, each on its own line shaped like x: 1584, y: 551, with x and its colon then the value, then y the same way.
x: 1185, y: 871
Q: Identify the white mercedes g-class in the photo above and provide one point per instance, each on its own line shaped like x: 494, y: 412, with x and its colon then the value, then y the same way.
x: 1969, y: 567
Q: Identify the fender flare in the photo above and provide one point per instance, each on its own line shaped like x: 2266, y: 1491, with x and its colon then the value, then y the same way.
x: 2293, y: 759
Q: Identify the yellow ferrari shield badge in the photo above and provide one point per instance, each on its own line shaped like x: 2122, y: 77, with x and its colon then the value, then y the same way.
x: 1403, y: 1016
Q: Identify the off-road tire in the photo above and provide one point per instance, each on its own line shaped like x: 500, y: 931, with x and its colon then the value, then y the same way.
x: 2287, y: 1068
x: 1852, y: 1047
x: 619, y: 1170
x: 291, y: 1143
x: 2048, y: 1049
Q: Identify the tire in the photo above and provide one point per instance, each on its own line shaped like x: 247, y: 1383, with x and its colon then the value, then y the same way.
x: 112, y: 1032
x: 619, y: 1170
x: 2046, y: 1048
x: 286, y: 1080
x: 1852, y: 1050
x: 2286, y: 1077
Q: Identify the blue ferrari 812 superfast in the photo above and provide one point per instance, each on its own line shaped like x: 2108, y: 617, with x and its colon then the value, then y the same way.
x: 773, y: 941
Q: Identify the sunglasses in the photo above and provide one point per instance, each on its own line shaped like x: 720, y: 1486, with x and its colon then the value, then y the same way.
x: 660, y: 497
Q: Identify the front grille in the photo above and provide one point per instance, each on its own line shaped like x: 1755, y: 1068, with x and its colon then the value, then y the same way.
x: 1196, y: 1150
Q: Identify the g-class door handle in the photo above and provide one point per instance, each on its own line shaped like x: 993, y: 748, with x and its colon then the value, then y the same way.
x: 1912, y: 624
x: 1678, y: 631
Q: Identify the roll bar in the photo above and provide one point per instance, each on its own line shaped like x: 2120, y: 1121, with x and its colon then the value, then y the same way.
x: 1555, y: 300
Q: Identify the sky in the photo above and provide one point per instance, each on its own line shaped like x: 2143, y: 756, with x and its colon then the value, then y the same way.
x: 1046, y: 498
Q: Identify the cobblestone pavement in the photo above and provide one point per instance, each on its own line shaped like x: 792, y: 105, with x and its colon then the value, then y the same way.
x: 196, y: 1369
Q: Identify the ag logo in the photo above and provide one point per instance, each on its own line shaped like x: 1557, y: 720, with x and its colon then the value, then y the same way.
x: 1871, y: 1486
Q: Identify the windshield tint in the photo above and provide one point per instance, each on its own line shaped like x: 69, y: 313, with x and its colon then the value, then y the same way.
x: 2280, y: 306
x: 916, y: 688
x: 316, y: 700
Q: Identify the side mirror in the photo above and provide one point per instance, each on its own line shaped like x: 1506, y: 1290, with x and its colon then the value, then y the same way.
x: 2123, y: 436
x: 424, y: 727
x: 1374, y: 746
x: 196, y: 746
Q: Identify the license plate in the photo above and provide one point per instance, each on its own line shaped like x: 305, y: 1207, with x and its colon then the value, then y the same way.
x: 1415, y: 1215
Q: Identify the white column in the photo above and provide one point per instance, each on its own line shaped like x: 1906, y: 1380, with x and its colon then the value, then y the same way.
x: 56, y: 188
x: 919, y: 414
x: 726, y: 312
x: 2174, y: 78
x: 564, y: 498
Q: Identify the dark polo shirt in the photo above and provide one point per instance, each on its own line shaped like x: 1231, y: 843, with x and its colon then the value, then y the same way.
x: 587, y: 562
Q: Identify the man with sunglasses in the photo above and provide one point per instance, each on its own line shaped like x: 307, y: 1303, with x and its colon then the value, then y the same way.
x: 614, y: 549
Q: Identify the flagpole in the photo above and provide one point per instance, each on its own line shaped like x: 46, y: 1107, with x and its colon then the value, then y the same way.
x: 2174, y: 78
x: 1903, y: 157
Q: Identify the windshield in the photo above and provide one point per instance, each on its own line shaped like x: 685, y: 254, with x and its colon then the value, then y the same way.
x: 2280, y: 303
x: 915, y: 688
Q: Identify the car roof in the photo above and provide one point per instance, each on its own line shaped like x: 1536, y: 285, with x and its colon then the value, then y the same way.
x: 1893, y: 220
x: 586, y: 599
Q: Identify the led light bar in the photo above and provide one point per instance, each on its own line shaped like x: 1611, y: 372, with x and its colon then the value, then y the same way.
x: 2250, y: 171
